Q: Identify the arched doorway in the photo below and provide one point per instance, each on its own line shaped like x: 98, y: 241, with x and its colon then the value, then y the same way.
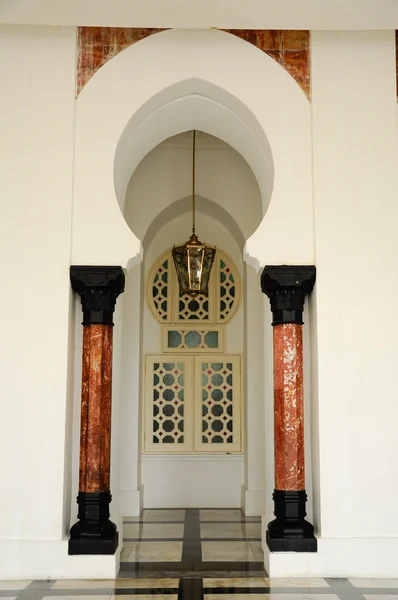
x: 196, y: 474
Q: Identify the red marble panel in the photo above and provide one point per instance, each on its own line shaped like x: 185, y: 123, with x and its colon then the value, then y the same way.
x: 95, y: 432
x: 289, y: 407
x: 97, y: 45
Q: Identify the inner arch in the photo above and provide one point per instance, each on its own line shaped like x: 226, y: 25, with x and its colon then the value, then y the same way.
x: 194, y: 104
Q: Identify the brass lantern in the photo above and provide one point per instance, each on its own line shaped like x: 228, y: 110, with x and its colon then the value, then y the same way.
x: 193, y: 261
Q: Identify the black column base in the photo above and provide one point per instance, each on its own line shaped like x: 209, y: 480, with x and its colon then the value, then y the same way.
x: 94, y: 533
x: 290, y: 532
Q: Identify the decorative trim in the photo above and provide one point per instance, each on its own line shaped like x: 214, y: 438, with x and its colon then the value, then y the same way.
x: 98, y: 45
x: 94, y: 533
x: 98, y: 288
x: 290, y: 532
x: 286, y: 286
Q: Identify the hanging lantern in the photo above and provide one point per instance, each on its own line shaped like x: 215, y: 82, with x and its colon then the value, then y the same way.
x: 193, y: 261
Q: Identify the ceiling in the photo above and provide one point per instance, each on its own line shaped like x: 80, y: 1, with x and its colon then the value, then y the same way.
x: 200, y: 14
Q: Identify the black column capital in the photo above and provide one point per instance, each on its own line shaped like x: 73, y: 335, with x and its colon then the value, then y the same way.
x: 286, y: 287
x: 98, y: 288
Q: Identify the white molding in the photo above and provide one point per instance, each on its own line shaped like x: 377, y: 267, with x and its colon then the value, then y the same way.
x: 49, y: 559
x: 337, y: 557
x: 196, y: 457
x: 130, y: 503
x: 254, y: 502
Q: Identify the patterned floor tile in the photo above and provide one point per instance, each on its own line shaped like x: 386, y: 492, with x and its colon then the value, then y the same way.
x: 230, y: 530
x: 363, y: 582
x: 155, y: 514
x: 307, y: 582
x: 154, y: 583
x: 15, y: 584
x: 158, y: 530
x: 227, y: 551
x: 238, y: 582
x: 153, y: 551
x: 227, y: 514
x: 83, y: 584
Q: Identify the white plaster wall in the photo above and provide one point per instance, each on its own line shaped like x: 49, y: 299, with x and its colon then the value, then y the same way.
x: 356, y: 212
x: 265, y: 14
x: 165, y: 175
x: 219, y: 84
x: 254, y: 365
x: 129, y: 423
x: 37, y: 71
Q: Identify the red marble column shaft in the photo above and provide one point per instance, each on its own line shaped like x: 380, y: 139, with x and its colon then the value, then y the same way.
x: 95, y: 432
x: 289, y: 407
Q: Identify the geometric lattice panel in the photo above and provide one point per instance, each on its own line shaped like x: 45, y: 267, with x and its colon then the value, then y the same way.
x: 168, y: 407
x: 160, y: 291
x: 227, y: 290
x: 193, y: 309
x: 192, y: 339
x: 219, y: 306
x: 219, y: 379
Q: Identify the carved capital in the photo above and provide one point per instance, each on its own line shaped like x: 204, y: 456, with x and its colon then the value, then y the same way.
x: 286, y: 287
x: 98, y: 288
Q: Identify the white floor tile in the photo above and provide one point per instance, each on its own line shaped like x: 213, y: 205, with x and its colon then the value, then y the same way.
x: 230, y: 530
x: 154, y: 552
x: 227, y: 551
x: 158, y: 530
x: 364, y: 582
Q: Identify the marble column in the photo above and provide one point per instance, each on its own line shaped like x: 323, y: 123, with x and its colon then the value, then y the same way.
x: 286, y: 287
x: 98, y: 288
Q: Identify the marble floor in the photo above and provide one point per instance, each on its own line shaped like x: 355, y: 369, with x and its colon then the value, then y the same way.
x: 197, y: 555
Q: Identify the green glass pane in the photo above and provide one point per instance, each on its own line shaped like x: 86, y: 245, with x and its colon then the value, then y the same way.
x: 204, y: 379
x: 168, y: 379
x: 216, y: 410
x: 217, y: 425
x: 205, y: 366
x: 217, y: 379
x: 205, y: 395
x: 193, y: 339
x: 165, y: 277
x: 229, y: 366
x: 217, y: 395
x: 169, y: 366
x: 231, y: 278
x: 165, y: 265
x: 168, y: 439
x: 181, y: 366
x: 217, y: 439
x: 204, y: 440
x: 168, y: 395
x: 181, y: 379
x: 156, y: 279
x: 154, y: 292
x: 222, y: 277
x: 211, y: 339
x: 229, y: 379
x: 216, y: 366
x: 168, y: 410
x: 204, y: 426
x: 173, y: 339
x: 222, y: 264
x: 155, y: 379
x: 180, y: 396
